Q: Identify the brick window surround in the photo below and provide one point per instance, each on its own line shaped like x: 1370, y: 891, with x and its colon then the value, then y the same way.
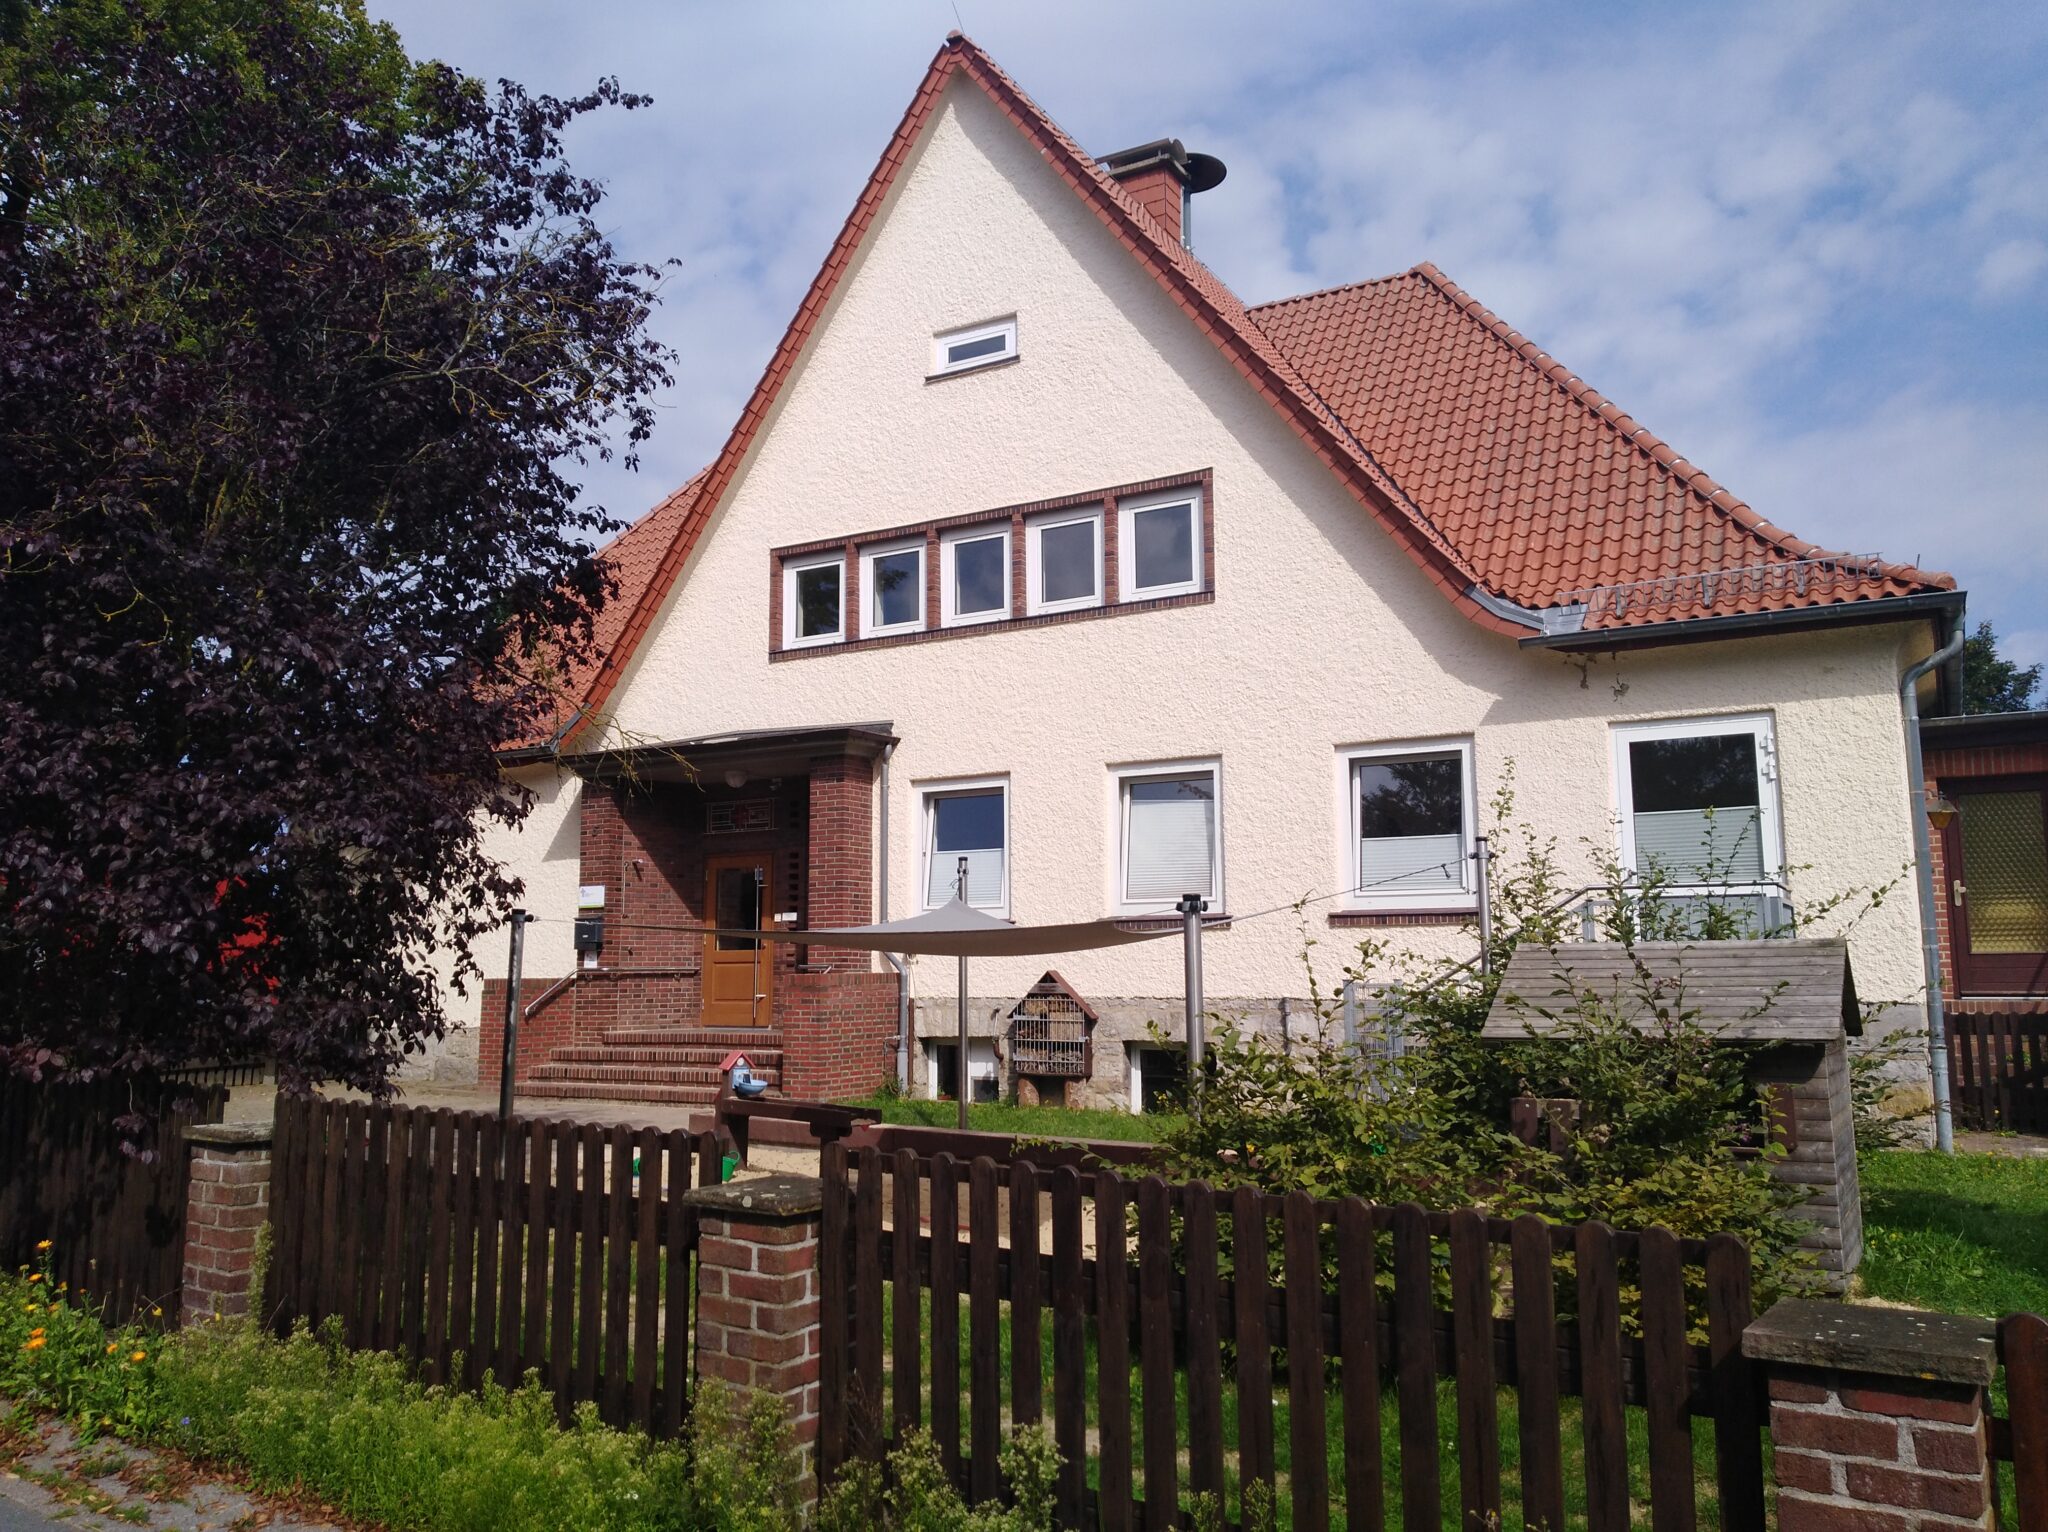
x: 1014, y: 516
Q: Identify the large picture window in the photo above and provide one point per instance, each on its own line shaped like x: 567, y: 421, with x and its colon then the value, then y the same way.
x: 967, y: 822
x: 1171, y: 835
x: 1698, y: 800
x: 1411, y: 833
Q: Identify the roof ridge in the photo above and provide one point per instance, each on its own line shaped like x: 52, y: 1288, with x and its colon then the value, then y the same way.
x: 1331, y: 292
x: 1694, y: 479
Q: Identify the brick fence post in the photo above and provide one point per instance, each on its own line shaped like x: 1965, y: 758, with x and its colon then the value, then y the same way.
x: 757, y: 1295
x: 1880, y: 1417
x: 227, y: 1203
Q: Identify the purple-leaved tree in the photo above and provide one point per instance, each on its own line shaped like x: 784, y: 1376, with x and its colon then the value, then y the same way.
x: 300, y: 345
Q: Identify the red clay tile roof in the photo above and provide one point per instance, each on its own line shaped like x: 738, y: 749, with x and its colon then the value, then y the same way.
x: 1495, y: 470
x: 1550, y: 492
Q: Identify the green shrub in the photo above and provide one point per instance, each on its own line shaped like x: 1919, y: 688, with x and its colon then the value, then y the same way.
x: 913, y: 1493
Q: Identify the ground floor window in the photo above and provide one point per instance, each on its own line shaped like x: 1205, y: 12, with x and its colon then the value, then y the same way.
x: 942, y: 1070
x: 1159, y: 1078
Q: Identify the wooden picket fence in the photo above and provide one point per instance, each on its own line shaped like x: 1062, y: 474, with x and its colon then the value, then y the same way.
x: 539, y: 1245
x: 2020, y: 1437
x: 1552, y: 1312
x: 110, y: 1201
x: 1998, y: 1068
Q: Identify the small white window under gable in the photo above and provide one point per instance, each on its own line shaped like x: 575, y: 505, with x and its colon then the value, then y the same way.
x: 1411, y: 826
x: 1171, y: 835
x: 981, y: 345
x: 1698, y: 798
x: 967, y: 822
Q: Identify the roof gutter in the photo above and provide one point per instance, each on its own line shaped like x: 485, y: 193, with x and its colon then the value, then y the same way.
x: 1947, y: 603
x: 1923, y: 857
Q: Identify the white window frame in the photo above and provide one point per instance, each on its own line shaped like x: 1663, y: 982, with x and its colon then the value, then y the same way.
x: 1128, y: 588
x: 1761, y: 727
x: 1034, y: 573
x: 868, y: 556
x: 990, y: 1067
x: 929, y: 793
x: 945, y: 340
x: 1134, y: 1066
x: 791, y: 568
x: 1349, y: 759
x: 950, y: 615
x: 1120, y: 827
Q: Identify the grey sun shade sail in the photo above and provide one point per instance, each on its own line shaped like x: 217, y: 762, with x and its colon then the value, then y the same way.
x: 959, y: 930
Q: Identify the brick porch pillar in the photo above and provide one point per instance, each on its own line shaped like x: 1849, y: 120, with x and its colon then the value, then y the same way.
x: 227, y: 1203
x: 757, y: 1294
x: 1880, y: 1417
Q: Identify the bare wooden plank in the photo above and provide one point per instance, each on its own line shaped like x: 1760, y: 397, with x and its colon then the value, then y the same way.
x: 1112, y: 1354
x: 1358, y: 1359
x: 1665, y: 1389
x: 1155, y: 1355
x: 442, y: 1170
x: 945, y: 1320
x: 462, y: 1253
x: 906, y: 1322
x: 1415, y: 1369
x: 510, y: 1358
x: 369, y: 1274
x: 1603, y: 1420
x: 1472, y: 1348
x: 646, y: 1279
x: 1204, y: 1344
x: 397, y: 1161
x: 2023, y: 1347
x: 561, y: 1362
x: 866, y: 1433
x: 355, y: 1237
x: 834, y: 1303
x: 1070, y: 1349
x: 533, y: 1345
x: 589, y: 1265
x: 1309, y: 1475
x: 1248, y: 1251
x: 1027, y: 1398
x: 1536, y: 1383
x: 1732, y: 1388
x: 676, y: 1323
x: 419, y: 1197
x: 490, y: 1186
x: 333, y: 1157
x: 618, y: 1274
x: 984, y: 1318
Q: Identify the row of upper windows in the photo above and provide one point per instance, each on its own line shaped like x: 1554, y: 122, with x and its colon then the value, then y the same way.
x: 1160, y: 553
x: 1697, y: 798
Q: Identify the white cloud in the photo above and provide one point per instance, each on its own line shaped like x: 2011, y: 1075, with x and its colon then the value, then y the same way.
x: 2009, y: 269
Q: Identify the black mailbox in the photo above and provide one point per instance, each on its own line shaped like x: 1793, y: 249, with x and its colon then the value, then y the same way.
x: 589, y: 933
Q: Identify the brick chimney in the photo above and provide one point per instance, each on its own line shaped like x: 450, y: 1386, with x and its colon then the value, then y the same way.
x: 1162, y: 176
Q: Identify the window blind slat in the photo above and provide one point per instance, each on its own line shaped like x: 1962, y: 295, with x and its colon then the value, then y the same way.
x: 1169, y: 847
x: 1395, y: 864
x: 1695, y: 847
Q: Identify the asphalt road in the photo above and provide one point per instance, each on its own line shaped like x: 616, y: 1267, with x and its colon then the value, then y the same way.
x: 16, y: 1517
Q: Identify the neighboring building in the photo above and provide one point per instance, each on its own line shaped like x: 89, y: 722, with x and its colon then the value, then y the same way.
x: 1036, y: 548
x: 1988, y: 778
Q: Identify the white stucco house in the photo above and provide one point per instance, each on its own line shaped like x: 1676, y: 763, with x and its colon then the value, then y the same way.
x: 1035, y: 546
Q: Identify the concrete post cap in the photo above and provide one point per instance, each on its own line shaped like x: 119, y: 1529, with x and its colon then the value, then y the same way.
x: 1899, y: 1343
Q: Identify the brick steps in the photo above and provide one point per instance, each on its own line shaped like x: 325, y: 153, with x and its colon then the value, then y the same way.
x: 671, y: 1065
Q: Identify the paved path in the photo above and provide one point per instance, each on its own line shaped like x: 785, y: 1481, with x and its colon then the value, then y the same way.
x: 62, y: 1484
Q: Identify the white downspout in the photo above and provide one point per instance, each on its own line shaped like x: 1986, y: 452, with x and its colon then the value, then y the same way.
x: 1923, y: 856
x: 895, y: 961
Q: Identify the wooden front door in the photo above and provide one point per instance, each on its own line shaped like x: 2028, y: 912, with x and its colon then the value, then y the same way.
x: 739, y: 971
x: 1997, y: 853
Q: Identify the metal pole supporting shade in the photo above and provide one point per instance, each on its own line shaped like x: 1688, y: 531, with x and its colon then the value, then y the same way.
x: 961, y: 1087
x: 1191, y: 907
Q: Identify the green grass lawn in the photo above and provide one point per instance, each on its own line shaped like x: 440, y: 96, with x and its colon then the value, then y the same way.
x: 1030, y: 1121
x: 1966, y: 1233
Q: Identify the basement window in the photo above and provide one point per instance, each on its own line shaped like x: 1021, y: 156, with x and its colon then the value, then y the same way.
x: 813, y: 601
x: 980, y: 345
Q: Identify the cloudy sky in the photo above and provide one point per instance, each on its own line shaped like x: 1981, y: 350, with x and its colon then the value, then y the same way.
x: 1806, y: 243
